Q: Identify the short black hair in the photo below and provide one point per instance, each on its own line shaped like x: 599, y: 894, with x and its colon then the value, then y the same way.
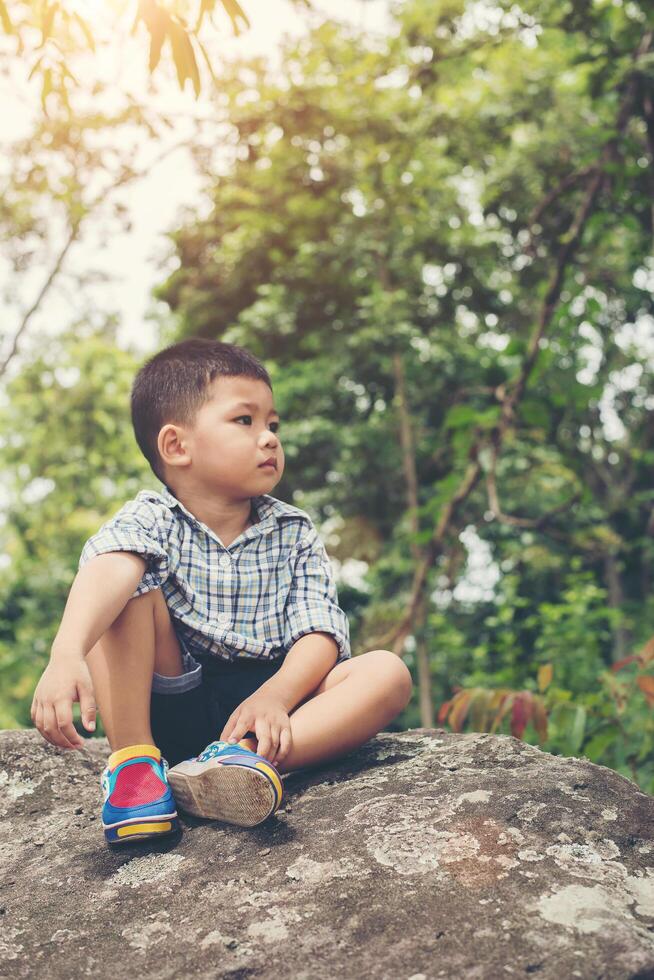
x: 174, y: 384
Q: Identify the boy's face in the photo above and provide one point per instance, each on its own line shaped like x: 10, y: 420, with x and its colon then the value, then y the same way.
x: 234, y: 433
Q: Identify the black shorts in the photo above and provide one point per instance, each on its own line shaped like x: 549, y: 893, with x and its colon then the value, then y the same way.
x: 183, y: 723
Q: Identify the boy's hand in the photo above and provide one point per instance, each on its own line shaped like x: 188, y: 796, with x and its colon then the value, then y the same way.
x: 266, y: 716
x: 62, y: 683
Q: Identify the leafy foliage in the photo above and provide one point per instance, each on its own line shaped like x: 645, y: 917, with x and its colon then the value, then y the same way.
x: 385, y: 218
x: 64, y: 32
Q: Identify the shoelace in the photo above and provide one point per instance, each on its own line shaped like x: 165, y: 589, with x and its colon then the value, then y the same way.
x: 217, y: 748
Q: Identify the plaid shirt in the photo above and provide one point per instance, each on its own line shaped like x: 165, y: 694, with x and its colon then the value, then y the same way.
x: 271, y: 586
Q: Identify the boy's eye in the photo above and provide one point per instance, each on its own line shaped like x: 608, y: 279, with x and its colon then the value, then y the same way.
x: 274, y: 426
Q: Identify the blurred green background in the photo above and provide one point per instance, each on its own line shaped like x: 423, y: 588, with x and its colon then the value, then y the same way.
x: 437, y: 234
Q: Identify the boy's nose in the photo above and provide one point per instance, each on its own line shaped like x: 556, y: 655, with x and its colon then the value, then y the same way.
x: 269, y: 439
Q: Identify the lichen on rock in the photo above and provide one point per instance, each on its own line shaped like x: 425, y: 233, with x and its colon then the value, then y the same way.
x: 421, y: 855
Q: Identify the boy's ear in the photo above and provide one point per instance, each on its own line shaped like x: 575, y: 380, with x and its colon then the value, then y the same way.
x: 172, y: 447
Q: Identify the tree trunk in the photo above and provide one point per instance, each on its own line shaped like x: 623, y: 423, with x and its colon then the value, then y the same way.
x: 622, y: 637
x: 425, y: 697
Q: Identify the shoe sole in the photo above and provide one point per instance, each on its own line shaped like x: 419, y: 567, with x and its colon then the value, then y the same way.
x: 141, y: 828
x: 241, y: 795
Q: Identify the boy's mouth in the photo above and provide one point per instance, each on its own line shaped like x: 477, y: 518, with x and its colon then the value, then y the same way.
x: 269, y: 463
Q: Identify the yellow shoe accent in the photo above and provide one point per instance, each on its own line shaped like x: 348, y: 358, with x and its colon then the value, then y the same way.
x: 144, y: 828
x: 270, y: 771
x: 132, y: 752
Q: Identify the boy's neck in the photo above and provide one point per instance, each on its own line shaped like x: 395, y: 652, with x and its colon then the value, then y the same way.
x: 226, y: 518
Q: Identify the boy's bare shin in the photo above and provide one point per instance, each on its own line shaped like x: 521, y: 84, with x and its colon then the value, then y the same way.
x: 99, y: 592
x: 139, y: 642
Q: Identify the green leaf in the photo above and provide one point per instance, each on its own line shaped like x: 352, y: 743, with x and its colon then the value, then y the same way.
x: 46, y: 88
x: 183, y: 56
x: 545, y: 674
x: 535, y: 413
x: 236, y: 14
x: 85, y: 30
x: 35, y: 67
x: 577, y: 729
x: 47, y: 22
x: 205, y: 55
x: 460, y: 416
x: 158, y: 28
x: 4, y: 17
x: 489, y: 417
x: 206, y: 7
x: 479, y: 709
x: 596, y: 746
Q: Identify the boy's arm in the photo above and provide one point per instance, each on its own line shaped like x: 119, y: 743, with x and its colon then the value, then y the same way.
x: 98, y: 595
x: 312, y: 603
x: 316, y: 632
x: 266, y: 711
x: 306, y: 664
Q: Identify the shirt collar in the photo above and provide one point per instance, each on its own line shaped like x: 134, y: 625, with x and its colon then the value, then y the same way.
x: 268, y: 509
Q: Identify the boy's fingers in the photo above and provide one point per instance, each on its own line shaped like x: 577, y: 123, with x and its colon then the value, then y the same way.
x: 238, y: 731
x: 50, y: 729
x: 229, y: 726
x: 262, y: 732
x: 48, y: 723
x: 87, y: 707
x: 284, y: 743
x: 64, y: 716
x: 282, y: 751
x: 274, y: 738
x: 243, y: 724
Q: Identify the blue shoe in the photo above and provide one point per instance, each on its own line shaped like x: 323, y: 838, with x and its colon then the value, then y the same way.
x: 228, y: 782
x: 138, y: 803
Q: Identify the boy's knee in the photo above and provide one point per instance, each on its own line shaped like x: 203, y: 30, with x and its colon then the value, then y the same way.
x: 148, y: 605
x: 404, y: 681
x: 397, y: 674
x: 154, y: 599
x: 153, y: 596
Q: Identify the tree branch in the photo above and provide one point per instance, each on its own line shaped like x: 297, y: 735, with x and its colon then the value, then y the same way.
x: 512, y: 519
x: 128, y: 175
x: 510, y: 395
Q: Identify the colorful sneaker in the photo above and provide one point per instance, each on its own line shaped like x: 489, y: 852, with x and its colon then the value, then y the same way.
x: 138, y: 803
x: 228, y: 782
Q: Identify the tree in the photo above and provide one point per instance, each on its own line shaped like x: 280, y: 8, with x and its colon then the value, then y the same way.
x: 428, y: 334
x: 421, y: 242
x: 70, y: 460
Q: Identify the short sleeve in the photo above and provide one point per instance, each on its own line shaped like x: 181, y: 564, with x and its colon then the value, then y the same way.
x: 312, y: 603
x: 139, y: 528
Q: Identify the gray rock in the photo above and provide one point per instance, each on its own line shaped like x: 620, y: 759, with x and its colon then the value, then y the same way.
x: 422, y: 855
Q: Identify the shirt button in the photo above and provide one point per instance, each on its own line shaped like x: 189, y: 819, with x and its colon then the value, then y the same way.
x: 223, y: 618
x: 225, y: 561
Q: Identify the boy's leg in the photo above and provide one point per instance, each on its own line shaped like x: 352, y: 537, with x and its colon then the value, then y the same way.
x: 356, y: 699
x: 139, y: 642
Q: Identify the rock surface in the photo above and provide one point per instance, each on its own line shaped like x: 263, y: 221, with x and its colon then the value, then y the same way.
x: 422, y: 855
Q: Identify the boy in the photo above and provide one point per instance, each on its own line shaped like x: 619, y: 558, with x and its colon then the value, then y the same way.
x: 204, y: 620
